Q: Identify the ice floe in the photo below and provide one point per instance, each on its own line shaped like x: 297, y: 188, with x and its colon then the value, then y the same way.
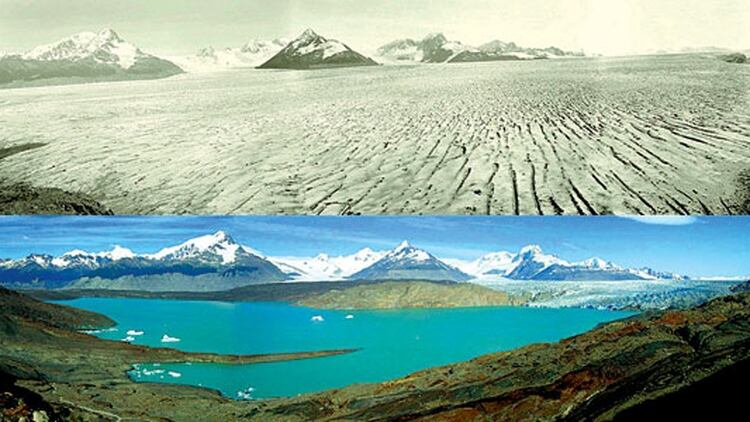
x: 134, y: 333
x: 245, y: 394
x: 350, y: 316
x: 167, y: 339
x: 174, y: 374
x: 317, y: 318
x: 128, y: 339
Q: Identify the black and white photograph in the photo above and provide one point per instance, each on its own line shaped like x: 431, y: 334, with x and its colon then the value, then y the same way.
x: 374, y: 210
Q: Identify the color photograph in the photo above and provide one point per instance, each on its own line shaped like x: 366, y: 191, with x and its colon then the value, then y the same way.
x: 371, y: 318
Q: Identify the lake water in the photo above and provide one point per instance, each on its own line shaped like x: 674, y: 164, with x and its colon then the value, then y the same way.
x: 393, y: 343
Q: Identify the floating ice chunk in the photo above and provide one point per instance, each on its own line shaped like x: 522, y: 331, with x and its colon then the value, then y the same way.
x: 154, y: 372
x: 317, y: 318
x: 134, y: 333
x: 174, y: 374
x: 128, y: 339
x: 167, y: 339
x: 350, y: 316
x: 245, y: 394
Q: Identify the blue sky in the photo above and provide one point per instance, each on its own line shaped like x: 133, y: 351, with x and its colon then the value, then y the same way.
x: 695, y: 246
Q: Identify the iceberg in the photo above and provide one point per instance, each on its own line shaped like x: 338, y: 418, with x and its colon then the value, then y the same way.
x: 134, y: 333
x: 174, y: 374
x: 167, y: 339
x: 317, y: 318
x: 350, y: 316
x: 245, y: 394
x: 128, y: 339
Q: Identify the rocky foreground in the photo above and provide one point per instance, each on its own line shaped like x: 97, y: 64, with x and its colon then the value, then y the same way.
x: 620, y: 369
x: 23, y: 198
x: 675, y: 363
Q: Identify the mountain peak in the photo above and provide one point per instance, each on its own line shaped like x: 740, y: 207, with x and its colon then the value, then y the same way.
x: 76, y: 252
x: 435, y: 36
x: 117, y: 253
x: 598, y: 263
x: 219, y: 243
x: 403, y: 245
x: 310, y: 51
x: 106, y: 46
x: 109, y: 34
x: 531, y: 250
x: 309, y: 35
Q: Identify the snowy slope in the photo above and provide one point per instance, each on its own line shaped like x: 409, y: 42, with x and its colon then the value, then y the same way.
x: 252, y: 54
x: 531, y: 263
x: 436, y: 48
x: 327, y: 268
x: 310, y: 50
x: 104, y: 47
x: 409, y: 262
x: 84, y: 57
x: 218, y: 246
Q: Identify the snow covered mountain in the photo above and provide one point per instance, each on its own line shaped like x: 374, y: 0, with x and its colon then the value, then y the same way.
x: 219, y: 248
x: 327, y: 268
x: 436, y: 48
x: 408, y: 262
x: 84, y: 57
x: 218, y: 262
x: 530, y: 263
x: 493, y: 264
x: 310, y: 50
x: 105, y: 47
x: 212, y: 262
x: 252, y: 54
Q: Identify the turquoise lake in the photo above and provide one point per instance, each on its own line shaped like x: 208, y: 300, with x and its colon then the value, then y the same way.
x: 393, y: 343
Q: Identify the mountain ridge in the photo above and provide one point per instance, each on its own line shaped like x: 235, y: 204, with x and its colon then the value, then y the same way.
x: 206, y: 257
x: 437, y: 48
x: 84, y: 57
x: 311, y: 51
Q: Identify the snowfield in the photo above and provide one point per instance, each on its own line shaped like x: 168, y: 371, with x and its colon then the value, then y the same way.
x: 648, y: 135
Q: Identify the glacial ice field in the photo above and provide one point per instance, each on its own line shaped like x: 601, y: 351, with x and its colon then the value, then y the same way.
x: 644, y: 135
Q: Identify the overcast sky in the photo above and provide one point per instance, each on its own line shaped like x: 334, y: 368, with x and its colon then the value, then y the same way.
x: 703, y: 246
x: 182, y: 26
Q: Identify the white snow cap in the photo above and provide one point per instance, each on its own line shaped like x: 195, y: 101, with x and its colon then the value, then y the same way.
x: 105, y: 47
x: 310, y: 42
x: 117, y: 253
x: 324, y: 267
x: 219, y: 243
x: 406, y: 251
x: 532, y: 249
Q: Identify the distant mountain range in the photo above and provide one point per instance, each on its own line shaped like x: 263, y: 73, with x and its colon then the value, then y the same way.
x: 208, y: 263
x: 312, y: 51
x: 531, y: 263
x: 84, y: 57
x: 251, y: 54
x: 436, y: 48
x: 217, y: 262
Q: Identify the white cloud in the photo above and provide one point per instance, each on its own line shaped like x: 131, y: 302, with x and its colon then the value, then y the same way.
x: 664, y: 220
